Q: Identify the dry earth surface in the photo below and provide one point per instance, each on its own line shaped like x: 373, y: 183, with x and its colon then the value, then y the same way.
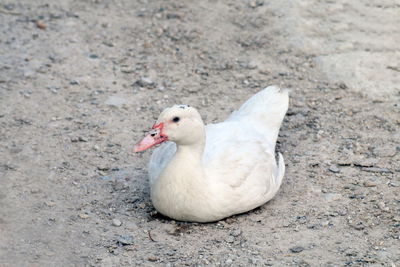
x: 81, y: 80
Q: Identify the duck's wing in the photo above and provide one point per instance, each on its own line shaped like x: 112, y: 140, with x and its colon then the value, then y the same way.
x: 239, y: 152
x: 160, y: 159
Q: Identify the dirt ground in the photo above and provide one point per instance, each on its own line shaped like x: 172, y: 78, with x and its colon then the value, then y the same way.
x: 81, y: 80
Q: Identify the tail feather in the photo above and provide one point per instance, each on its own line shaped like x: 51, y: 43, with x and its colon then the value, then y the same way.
x: 265, y: 110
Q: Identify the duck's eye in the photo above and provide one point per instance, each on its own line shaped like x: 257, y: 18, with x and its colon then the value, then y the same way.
x: 176, y: 119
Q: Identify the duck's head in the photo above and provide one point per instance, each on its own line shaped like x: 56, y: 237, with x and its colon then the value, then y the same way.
x: 181, y: 124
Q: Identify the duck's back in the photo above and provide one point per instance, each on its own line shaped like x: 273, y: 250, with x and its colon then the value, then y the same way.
x: 239, y: 157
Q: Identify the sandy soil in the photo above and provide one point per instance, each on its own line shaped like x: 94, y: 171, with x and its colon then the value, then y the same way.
x: 80, y: 81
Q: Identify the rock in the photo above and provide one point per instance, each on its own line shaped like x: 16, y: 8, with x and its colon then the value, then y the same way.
x: 384, y: 151
x: 370, y: 184
x: 230, y: 239
x: 116, y: 222
x: 236, y: 233
x: 127, y: 70
x: 153, y: 258
x: 78, y: 139
x: 50, y: 203
x: 73, y: 82
x: 376, y: 169
x: 40, y: 24
x: 382, y: 206
x: 254, y: 4
x: 83, y: 216
x: 53, y: 89
x: 115, y: 101
x: 173, y: 16
x: 103, y: 167
x: 105, y: 178
x: 229, y: 261
x: 332, y: 197
x: 297, y: 249
x: 334, y: 169
x: 125, y: 240
x: 145, y: 82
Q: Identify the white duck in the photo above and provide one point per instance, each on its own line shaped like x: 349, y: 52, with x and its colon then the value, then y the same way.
x: 208, y: 173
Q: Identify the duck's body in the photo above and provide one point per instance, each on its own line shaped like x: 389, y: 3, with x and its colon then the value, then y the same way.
x: 212, y: 172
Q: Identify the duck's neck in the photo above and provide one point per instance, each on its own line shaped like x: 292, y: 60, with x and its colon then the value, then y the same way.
x: 186, y: 164
x: 182, y: 183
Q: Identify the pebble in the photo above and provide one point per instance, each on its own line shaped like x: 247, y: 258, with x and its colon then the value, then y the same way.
x: 332, y: 197
x: 382, y: 206
x: 376, y: 169
x: 116, y: 222
x: 153, y: 258
x: 229, y: 261
x: 145, y: 82
x: 297, y: 249
x: 105, y: 178
x: 384, y: 151
x: 125, y: 239
x: 83, y: 216
x: 369, y: 184
x: 40, y: 24
x: 230, y: 239
x: 73, y: 82
x: 53, y: 89
x: 50, y: 203
x: 236, y: 232
x: 334, y: 169
x: 115, y: 101
x: 254, y: 4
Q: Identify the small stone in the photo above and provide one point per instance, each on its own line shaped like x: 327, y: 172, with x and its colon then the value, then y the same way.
x: 325, y: 224
x: 174, y: 16
x: 145, y: 82
x: 105, y: 178
x: 116, y: 222
x: 382, y: 206
x: 128, y: 70
x: 73, y: 82
x: 50, y: 203
x: 83, y: 216
x: 82, y: 139
x: 384, y: 151
x: 229, y: 261
x: 332, y: 197
x: 153, y: 258
x: 253, y: 4
x: 297, y: 249
x: 236, y: 233
x: 334, y: 169
x: 53, y: 89
x: 40, y: 24
x: 125, y: 240
x: 115, y: 101
x: 376, y: 169
x: 369, y: 184
x: 103, y: 168
x: 230, y: 239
